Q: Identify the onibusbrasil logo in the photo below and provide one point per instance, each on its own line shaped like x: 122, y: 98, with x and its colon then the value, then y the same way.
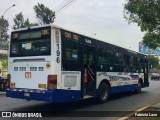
x: 19, y: 114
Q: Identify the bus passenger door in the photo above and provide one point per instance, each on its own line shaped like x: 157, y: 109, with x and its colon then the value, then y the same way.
x: 88, y: 71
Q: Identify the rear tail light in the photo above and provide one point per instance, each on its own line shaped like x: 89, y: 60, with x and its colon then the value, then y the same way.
x: 8, y: 79
x: 52, y: 82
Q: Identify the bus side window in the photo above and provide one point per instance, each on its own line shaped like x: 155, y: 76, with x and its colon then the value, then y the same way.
x: 140, y: 64
x: 109, y: 57
x: 131, y: 60
x: 119, y: 60
x: 128, y: 60
x: 70, y: 55
x: 102, y: 59
x: 71, y: 50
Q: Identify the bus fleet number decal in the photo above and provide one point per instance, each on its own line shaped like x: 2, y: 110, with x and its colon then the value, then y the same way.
x: 58, y: 54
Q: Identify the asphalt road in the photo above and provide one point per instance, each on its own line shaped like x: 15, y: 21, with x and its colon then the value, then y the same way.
x: 117, y: 106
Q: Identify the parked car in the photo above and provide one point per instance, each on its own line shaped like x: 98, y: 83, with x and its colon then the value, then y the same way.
x: 3, y: 81
x: 155, y: 76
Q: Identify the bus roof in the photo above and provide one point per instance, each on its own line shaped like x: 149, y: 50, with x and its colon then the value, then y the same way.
x: 59, y: 27
x: 131, y: 51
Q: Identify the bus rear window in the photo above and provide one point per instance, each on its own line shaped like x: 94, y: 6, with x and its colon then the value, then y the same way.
x: 37, y: 47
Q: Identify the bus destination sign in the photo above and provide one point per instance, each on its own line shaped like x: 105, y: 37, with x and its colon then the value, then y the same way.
x: 71, y: 36
x: 30, y: 35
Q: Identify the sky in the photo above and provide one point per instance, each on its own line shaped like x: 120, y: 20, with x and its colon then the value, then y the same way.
x: 100, y: 19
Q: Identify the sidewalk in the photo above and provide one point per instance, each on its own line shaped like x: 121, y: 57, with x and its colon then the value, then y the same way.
x: 2, y: 92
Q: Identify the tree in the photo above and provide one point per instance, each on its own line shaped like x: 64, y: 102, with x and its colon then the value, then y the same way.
x: 4, y: 24
x: 20, y: 22
x: 146, y: 14
x: 4, y: 63
x: 44, y: 14
x: 154, y: 61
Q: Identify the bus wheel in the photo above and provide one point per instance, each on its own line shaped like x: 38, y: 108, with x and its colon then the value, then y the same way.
x: 139, y: 88
x: 103, y: 92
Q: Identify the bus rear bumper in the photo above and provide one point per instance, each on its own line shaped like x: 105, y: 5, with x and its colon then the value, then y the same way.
x: 56, y: 95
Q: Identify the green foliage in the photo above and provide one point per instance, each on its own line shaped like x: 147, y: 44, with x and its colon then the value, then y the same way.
x: 154, y: 61
x: 4, y: 63
x: 154, y: 118
x: 20, y: 22
x: 152, y: 39
x: 44, y: 14
x: 146, y: 14
x: 4, y: 24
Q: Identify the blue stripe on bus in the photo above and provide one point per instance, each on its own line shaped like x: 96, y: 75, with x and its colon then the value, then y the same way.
x: 124, y: 88
x: 134, y: 76
x: 49, y: 95
x: 59, y: 95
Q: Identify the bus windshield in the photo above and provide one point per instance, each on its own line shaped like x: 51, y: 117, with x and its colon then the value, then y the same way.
x: 31, y: 42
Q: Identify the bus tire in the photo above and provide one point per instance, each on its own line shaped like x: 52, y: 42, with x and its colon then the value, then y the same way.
x: 139, y: 88
x: 103, y: 92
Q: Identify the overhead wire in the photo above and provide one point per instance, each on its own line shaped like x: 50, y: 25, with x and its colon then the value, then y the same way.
x: 60, y: 5
x: 64, y: 5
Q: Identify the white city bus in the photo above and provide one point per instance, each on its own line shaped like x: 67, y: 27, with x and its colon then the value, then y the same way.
x: 49, y: 63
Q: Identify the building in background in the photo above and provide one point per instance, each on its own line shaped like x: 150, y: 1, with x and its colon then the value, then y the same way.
x: 149, y: 51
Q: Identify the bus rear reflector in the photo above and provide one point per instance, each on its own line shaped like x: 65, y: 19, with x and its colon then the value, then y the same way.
x: 8, y: 79
x: 12, y: 85
x: 52, y: 82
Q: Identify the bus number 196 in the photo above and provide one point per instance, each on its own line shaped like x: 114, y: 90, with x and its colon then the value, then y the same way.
x: 58, y: 54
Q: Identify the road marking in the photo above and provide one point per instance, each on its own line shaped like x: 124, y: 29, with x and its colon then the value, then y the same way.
x: 142, y: 108
x: 127, y: 116
x: 123, y: 118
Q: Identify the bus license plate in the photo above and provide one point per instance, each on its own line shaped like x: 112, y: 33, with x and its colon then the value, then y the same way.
x: 27, y: 94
